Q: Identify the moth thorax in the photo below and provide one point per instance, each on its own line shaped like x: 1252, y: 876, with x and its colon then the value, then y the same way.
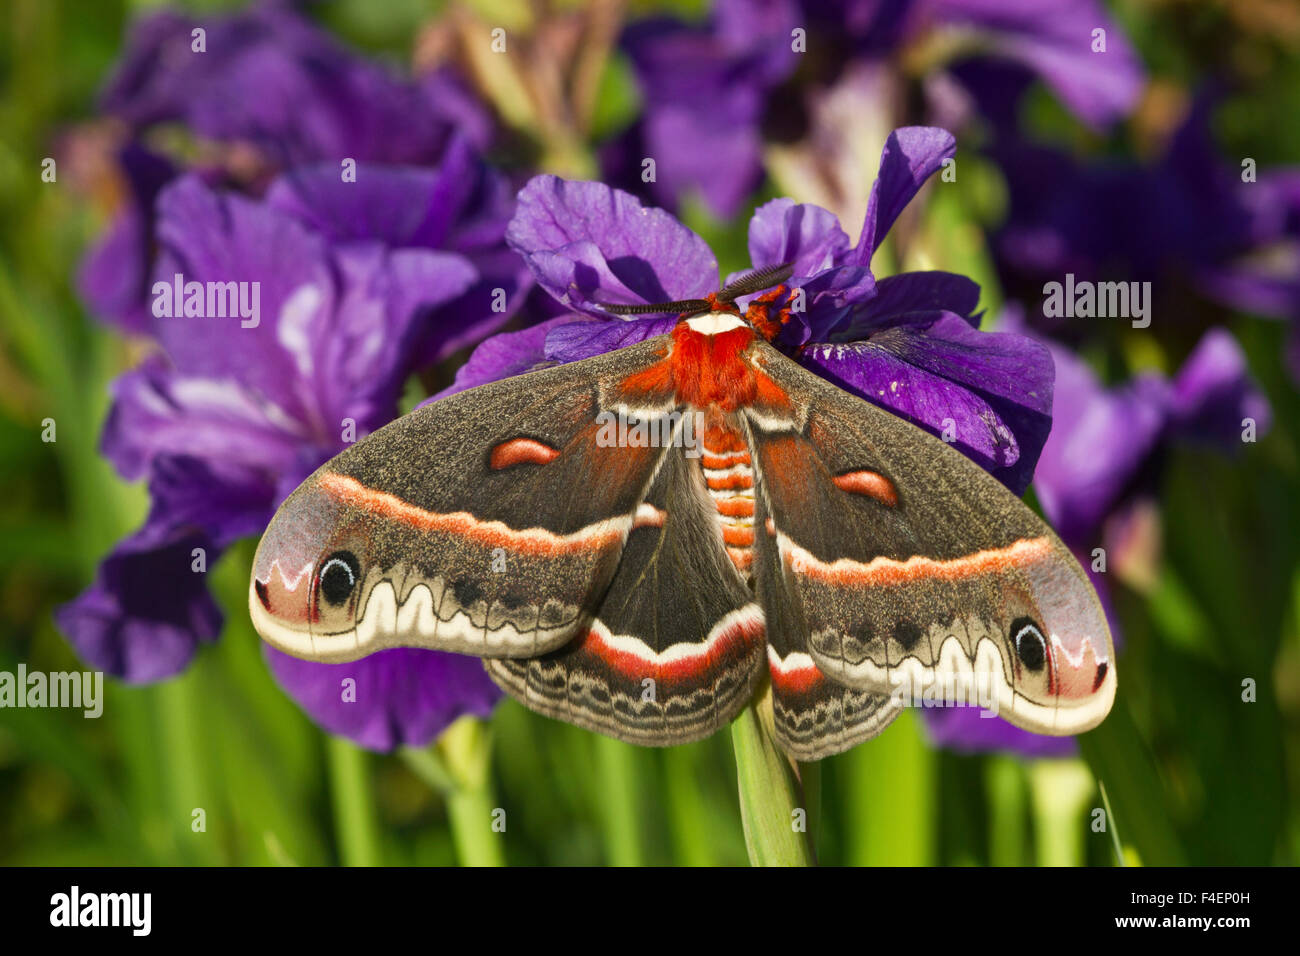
x: 712, y: 323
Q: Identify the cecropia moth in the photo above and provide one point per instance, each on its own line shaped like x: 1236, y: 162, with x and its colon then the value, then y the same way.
x: 644, y: 588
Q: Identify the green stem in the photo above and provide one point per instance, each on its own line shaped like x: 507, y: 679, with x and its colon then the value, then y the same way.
x: 810, y: 778
x: 771, y: 801
x: 1060, y: 790
x: 465, y: 750
x: 890, y: 791
x: 1005, y: 784
x: 1112, y: 827
x: 181, y: 752
x: 693, y: 836
x: 621, y: 787
x: 355, y: 823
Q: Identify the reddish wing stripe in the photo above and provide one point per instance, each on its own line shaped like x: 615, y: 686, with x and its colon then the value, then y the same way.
x: 630, y: 656
x: 532, y: 541
x: 885, y: 572
x: 520, y: 451
x: 869, y: 483
x: 797, y: 674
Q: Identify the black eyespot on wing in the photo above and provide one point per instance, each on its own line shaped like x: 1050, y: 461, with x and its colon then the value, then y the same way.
x: 338, y: 576
x: 512, y: 602
x: 907, y: 634
x: 468, y: 592
x: 1031, y: 646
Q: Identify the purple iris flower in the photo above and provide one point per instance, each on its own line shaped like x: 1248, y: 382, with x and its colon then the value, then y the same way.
x: 114, y: 274
x: 715, y: 91
x: 1100, y: 464
x: 270, y: 77
x: 909, y: 343
x: 270, y: 81
x: 233, y: 414
x: 1191, y: 226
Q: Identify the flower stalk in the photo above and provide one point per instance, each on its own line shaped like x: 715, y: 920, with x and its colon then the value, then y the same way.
x: 772, y: 804
x: 458, y: 766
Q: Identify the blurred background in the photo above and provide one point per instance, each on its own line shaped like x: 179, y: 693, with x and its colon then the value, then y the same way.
x: 1170, y: 155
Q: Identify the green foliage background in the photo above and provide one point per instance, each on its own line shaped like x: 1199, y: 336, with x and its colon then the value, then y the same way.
x: 1193, y: 775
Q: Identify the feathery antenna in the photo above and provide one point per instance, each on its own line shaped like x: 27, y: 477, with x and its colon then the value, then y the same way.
x: 755, y: 281
x: 671, y: 308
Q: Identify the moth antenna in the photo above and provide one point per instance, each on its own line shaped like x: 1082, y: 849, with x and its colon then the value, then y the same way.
x: 757, y: 281
x: 654, y: 308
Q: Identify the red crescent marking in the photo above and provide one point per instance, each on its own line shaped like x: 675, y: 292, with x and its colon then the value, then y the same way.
x: 733, y: 643
x: 886, y: 572
x: 869, y: 483
x: 519, y: 451
x: 799, y: 680
x: 531, y: 541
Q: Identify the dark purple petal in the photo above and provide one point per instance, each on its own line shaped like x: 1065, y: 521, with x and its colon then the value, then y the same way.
x: 898, y: 298
x: 358, y: 357
x: 963, y: 730
x: 801, y: 233
x: 1054, y: 38
x: 1267, y: 284
x: 208, y: 236
x: 148, y: 610
x: 911, y: 155
x: 705, y: 88
x: 504, y: 355
x: 399, y: 697
x: 579, y: 340
x: 587, y: 243
x: 158, y: 412
x: 401, y: 205
x: 759, y: 31
x: 1100, y: 440
x: 830, y: 299
x: 716, y: 154
x: 462, y: 207
x: 113, y: 279
x: 270, y: 77
x: 1213, y: 394
x: 396, y: 205
x: 503, y: 280
x: 146, y: 614
x: 992, y: 390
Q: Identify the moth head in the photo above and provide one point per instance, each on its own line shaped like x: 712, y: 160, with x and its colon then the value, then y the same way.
x: 723, y: 302
x: 309, y: 575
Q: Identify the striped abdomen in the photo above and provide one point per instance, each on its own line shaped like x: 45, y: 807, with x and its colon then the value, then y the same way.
x: 729, y: 474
